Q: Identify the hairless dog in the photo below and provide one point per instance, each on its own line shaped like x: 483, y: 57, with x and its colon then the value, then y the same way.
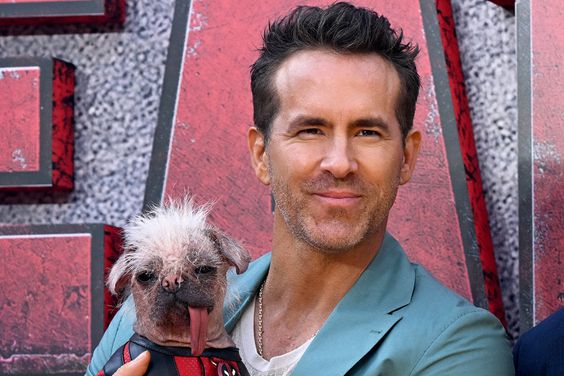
x: 175, y: 266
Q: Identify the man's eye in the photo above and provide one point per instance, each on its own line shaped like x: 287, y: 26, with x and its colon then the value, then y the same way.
x: 310, y: 131
x: 368, y: 133
x: 204, y: 269
x: 146, y: 277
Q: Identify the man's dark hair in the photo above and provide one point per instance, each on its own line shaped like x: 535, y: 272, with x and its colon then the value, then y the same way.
x: 342, y: 28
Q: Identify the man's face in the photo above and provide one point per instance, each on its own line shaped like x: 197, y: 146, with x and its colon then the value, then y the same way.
x: 335, y: 155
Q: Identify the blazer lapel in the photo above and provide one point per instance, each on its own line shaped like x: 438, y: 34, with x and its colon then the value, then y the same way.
x: 364, y: 315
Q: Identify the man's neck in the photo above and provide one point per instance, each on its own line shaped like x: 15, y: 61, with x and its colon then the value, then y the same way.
x: 303, y: 287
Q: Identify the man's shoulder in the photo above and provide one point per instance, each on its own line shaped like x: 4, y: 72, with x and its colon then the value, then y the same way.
x: 546, y: 333
x: 433, y: 302
x: 427, y: 297
x: 442, y: 323
x: 428, y: 289
x: 539, y: 350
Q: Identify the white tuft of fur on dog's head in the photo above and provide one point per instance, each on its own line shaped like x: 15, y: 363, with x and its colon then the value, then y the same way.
x: 173, y: 236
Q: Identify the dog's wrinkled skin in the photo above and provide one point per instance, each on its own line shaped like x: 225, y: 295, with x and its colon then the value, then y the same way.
x: 174, y: 266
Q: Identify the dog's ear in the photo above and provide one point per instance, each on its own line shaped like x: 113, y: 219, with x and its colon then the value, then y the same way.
x: 120, y: 276
x: 233, y: 252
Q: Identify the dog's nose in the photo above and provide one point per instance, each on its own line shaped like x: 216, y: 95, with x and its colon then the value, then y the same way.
x: 171, y: 283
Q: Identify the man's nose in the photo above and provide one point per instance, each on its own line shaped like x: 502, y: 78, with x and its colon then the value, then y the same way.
x: 171, y: 283
x: 339, y: 158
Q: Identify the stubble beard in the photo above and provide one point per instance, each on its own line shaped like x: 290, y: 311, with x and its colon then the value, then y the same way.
x: 304, y: 228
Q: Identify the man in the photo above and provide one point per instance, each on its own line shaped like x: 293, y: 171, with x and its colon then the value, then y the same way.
x: 334, y: 94
x: 540, y: 350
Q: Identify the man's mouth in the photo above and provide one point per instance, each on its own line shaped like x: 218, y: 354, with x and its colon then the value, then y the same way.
x: 338, y: 198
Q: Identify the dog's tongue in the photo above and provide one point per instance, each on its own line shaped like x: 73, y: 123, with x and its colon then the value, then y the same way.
x: 198, y: 329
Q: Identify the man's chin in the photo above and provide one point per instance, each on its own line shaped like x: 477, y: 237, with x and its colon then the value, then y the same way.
x: 336, y: 242
x: 342, y: 236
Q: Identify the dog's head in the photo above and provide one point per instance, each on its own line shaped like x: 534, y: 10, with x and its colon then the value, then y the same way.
x: 174, y: 265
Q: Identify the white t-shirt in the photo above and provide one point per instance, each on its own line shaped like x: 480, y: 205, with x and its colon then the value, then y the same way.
x: 244, y: 338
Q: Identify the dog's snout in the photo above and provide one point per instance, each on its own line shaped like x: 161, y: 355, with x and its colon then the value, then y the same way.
x: 171, y: 283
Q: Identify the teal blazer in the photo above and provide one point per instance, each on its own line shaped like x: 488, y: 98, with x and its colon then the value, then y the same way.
x: 396, y: 320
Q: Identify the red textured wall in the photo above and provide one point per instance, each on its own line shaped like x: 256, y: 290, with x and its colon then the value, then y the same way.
x: 509, y: 4
x: 37, y: 117
x: 63, y: 126
x: 113, y: 248
x: 19, y: 117
x: 470, y: 158
x: 548, y: 156
x: 45, y: 299
x: 42, y: 12
x: 55, y: 305
x: 34, y: 1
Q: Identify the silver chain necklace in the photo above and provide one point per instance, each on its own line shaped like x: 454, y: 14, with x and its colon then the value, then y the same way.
x: 259, y: 319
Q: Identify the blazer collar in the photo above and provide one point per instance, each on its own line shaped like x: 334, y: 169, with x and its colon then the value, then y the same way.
x: 358, y: 322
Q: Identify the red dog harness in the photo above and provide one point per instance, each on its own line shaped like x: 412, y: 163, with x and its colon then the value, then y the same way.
x: 177, y: 361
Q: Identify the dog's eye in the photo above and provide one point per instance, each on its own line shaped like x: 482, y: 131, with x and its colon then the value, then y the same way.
x: 204, y: 269
x: 145, y: 277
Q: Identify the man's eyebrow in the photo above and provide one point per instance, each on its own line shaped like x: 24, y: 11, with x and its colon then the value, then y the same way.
x: 304, y: 120
x: 372, y: 123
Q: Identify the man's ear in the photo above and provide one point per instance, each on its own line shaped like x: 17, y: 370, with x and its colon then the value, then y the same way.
x: 259, y: 157
x: 410, y: 153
